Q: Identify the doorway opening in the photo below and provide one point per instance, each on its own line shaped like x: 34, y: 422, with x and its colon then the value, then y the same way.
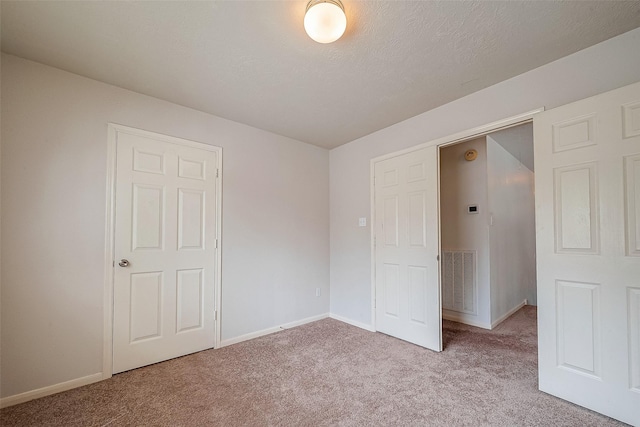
x: 487, y: 223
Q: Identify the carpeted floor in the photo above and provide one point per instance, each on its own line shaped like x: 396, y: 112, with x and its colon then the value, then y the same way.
x: 328, y: 373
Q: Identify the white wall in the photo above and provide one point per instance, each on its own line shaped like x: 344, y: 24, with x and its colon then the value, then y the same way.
x: 608, y: 65
x: 463, y: 183
x: 275, y: 231
x: 512, y: 235
x: 518, y: 141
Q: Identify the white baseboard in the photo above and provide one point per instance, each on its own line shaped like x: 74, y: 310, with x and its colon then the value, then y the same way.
x: 508, y: 313
x: 303, y: 321
x: 268, y: 331
x: 465, y: 320
x: 52, y: 389
x: 353, y: 322
x: 79, y: 382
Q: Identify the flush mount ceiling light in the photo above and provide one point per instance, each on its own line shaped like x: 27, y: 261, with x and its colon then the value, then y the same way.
x: 324, y: 20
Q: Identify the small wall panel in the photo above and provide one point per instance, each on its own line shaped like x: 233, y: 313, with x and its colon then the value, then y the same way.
x: 574, y: 133
x: 190, y: 219
x: 390, y: 221
x: 416, y: 172
x: 192, y: 169
x: 391, y: 289
x: 146, y: 305
x: 631, y: 119
x: 148, y: 217
x: 576, y: 211
x: 189, y: 288
x: 390, y: 178
x: 578, y: 327
x: 632, y: 201
x: 144, y: 161
x: 417, y: 219
x: 418, y: 294
x: 633, y: 298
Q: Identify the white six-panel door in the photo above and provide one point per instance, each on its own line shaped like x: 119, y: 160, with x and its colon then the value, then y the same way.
x: 406, y: 248
x: 587, y: 157
x: 164, y: 248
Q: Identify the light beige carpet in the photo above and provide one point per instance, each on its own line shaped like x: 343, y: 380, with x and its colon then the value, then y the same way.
x: 328, y: 373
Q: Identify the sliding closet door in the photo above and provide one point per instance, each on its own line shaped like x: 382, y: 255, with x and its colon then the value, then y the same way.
x: 406, y: 248
x: 587, y: 157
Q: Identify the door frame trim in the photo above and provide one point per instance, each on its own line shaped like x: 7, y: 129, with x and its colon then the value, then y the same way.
x: 109, y: 237
x: 455, y: 138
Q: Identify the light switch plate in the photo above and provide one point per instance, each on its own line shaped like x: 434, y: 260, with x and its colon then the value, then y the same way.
x: 362, y: 222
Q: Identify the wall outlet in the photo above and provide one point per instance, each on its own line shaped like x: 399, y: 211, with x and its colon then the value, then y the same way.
x: 317, y: 292
x: 362, y: 222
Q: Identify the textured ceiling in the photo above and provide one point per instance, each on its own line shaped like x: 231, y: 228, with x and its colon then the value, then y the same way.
x: 252, y: 62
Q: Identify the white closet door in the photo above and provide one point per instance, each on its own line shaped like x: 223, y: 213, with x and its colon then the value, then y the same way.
x: 165, y: 250
x: 406, y: 248
x: 587, y: 157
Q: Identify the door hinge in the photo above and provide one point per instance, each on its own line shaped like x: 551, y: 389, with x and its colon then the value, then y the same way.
x: 437, y: 257
x: 215, y: 315
x: 217, y: 173
x: 216, y: 243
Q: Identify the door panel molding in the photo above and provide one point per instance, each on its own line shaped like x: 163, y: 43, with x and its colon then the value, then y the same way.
x: 576, y: 208
x: 575, y: 133
x: 633, y: 303
x: 578, y: 327
x: 632, y: 202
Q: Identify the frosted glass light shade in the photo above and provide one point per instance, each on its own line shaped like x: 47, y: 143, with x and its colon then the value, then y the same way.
x: 325, y: 20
